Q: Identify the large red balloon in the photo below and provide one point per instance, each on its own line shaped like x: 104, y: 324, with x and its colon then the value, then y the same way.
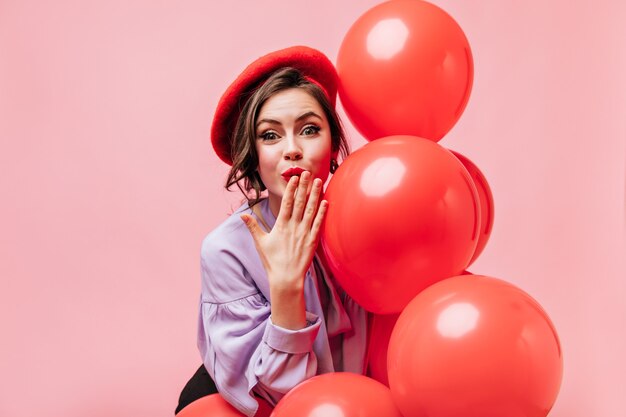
x: 486, y: 203
x: 403, y: 214
x: 339, y: 394
x: 215, y: 405
x: 405, y: 68
x: 379, y: 335
x: 474, y: 346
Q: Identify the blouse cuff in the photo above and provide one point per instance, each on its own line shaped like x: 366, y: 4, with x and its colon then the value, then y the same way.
x: 292, y: 341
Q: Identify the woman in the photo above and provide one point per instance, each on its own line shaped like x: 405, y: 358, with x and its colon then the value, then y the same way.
x: 271, y: 315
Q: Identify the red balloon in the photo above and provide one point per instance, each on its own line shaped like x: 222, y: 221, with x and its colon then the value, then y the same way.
x: 339, y: 394
x: 380, y: 333
x: 215, y: 405
x: 403, y: 214
x: 486, y: 203
x: 474, y: 346
x: 405, y: 68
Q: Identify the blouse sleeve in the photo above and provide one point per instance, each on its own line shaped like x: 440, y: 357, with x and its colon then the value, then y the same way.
x: 243, y: 351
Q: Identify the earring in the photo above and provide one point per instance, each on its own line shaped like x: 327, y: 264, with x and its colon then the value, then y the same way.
x: 333, y: 166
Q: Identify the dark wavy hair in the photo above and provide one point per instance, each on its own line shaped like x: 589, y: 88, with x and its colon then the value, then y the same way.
x: 243, y: 172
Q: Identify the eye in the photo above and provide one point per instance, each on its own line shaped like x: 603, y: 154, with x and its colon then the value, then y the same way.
x: 268, y: 135
x: 310, y: 130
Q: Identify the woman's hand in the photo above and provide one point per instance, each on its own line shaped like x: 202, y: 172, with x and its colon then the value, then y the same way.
x: 288, y: 249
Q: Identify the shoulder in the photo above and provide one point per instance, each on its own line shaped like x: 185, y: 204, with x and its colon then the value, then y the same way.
x: 230, y: 263
x: 230, y: 236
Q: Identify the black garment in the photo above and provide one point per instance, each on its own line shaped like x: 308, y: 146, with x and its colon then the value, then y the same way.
x: 199, y: 385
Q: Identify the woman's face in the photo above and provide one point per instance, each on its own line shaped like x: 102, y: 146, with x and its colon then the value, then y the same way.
x: 292, y: 135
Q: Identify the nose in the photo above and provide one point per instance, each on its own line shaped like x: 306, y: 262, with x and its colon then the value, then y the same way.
x: 292, y: 151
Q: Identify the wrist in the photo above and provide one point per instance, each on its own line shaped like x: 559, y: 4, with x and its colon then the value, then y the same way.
x: 286, y: 285
x: 288, y: 306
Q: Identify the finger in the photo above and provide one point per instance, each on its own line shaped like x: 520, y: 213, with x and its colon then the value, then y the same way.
x: 301, y: 195
x: 319, y: 219
x: 286, y: 204
x: 253, y: 226
x: 311, y: 205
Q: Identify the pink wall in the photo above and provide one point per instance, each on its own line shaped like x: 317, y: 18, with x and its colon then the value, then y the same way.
x: 108, y: 183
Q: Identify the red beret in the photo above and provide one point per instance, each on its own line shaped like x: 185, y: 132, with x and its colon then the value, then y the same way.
x: 310, y: 62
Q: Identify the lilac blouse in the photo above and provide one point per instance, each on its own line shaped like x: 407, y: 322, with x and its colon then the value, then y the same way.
x: 243, y: 351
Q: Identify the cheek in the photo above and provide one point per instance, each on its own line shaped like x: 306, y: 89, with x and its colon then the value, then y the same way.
x: 263, y: 168
x: 267, y: 163
x: 322, y: 163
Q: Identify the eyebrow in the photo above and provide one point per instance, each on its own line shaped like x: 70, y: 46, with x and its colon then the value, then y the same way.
x: 301, y: 117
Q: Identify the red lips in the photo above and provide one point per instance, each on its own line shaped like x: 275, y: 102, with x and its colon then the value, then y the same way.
x: 287, y: 174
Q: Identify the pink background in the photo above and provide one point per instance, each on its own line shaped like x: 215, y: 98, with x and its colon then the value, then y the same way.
x: 108, y: 183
